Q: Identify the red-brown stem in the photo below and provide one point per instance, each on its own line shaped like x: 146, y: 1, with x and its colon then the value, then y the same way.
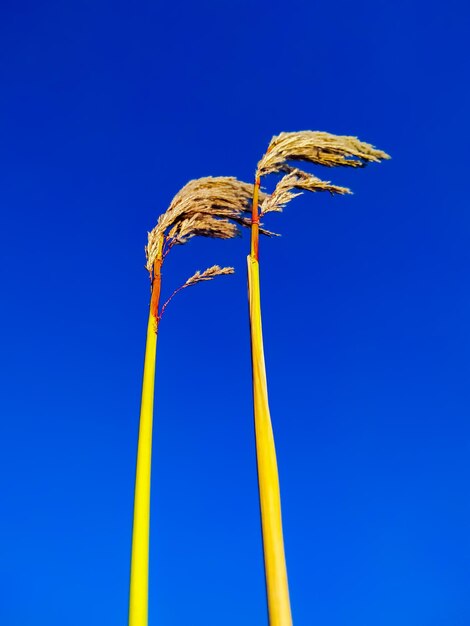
x: 156, y: 284
x: 255, y: 221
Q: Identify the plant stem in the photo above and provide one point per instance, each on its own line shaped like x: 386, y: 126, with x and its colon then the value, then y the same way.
x: 277, y: 588
x: 156, y: 284
x: 255, y: 221
x: 138, y: 596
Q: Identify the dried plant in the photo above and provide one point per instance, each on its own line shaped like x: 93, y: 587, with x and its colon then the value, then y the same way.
x: 198, y: 277
x: 208, y: 274
x: 317, y: 147
x: 296, y: 179
x: 207, y: 207
x: 321, y: 149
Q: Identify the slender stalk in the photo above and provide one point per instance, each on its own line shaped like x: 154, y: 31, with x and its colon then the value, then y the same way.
x: 138, y: 597
x: 322, y: 149
x: 277, y: 588
x: 255, y: 221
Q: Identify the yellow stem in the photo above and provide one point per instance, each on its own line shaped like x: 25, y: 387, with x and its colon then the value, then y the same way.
x: 138, y: 599
x: 277, y: 588
x: 138, y: 596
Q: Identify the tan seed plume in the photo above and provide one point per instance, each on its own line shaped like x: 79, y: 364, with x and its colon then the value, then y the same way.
x: 207, y: 207
x: 317, y: 147
x: 208, y: 274
x: 297, y: 179
x: 322, y: 149
x: 198, y: 277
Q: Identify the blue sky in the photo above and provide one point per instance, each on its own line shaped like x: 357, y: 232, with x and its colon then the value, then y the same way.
x: 107, y: 109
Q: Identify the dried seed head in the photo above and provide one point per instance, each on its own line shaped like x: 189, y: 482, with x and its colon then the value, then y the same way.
x: 198, y: 277
x: 297, y: 179
x: 203, y: 225
x: 208, y: 207
x: 317, y: 147
x: 208, y: 274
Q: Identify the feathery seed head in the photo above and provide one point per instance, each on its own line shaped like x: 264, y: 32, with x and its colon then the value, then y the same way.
x: 206, y: 207
x: 198, y: 277
x: 208, y: 274
x: 317, y: 147
x: 297, y: 179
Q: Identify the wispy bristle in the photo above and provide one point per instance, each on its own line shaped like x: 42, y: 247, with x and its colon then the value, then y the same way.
x: 320, y: 148
x: 198, y: 277
x: 208, y: 274
x: 203, y: 225
x: 297, y: 179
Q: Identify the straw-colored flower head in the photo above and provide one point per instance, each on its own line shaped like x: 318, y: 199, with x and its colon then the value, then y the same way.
x: 207, y: 207
x: 199, y: 277
x: 317, y: 147
x: 208, y: 274
x: 297, y: 179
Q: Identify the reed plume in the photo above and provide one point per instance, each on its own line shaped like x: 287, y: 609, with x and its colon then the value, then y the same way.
x: 318, y: 148
x: 207, y: 207
x: 296, y: 179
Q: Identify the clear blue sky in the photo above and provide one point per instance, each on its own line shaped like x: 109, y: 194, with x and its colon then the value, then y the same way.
x: 107, y: 109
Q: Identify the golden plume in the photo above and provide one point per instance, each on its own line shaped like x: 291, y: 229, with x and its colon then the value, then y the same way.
x: 297, y: 179
x: 207, y: 207
x: 317, y: 147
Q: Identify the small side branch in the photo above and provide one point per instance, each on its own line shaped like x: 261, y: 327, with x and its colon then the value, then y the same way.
x: 198, y: 277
